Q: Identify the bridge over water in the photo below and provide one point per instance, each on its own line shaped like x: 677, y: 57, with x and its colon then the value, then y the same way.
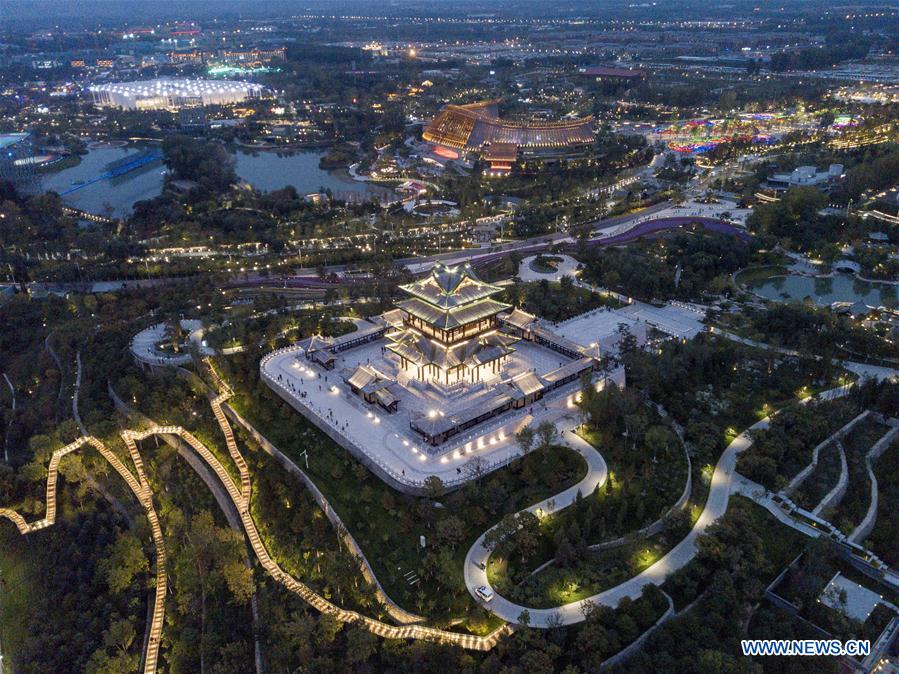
x: 119, y: 168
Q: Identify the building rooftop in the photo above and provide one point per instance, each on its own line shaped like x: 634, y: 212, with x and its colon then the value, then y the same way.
x: 477, y: 125
x: 450, y: 287
x: 446, y: 319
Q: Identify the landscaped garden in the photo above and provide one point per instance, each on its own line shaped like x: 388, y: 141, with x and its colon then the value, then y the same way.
x: 387, y: 524
x: 821, y: 480
x: 782, y: 450
x: 885, y: 537
x: 538, y: 565
x: 709, y: 386
x: 852, y: 508
x: 556, y: 302
x: 545, y: 264
x: 807, y: 578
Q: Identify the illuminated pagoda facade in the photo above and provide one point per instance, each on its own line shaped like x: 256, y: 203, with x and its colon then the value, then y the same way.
x: 446, y: 331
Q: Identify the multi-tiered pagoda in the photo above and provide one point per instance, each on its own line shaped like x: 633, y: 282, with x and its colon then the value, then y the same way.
x: 448, y: 330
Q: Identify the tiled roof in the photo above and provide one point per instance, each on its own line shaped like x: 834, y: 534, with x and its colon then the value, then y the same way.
x: 451, y: 287
x: 446, y: 319
x: 420, y: 350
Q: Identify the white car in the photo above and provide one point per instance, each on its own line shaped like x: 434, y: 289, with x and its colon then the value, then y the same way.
x: 484, y: 593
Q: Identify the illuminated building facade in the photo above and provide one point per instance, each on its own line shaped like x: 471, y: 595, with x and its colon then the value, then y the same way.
x: 173, y: 93
x: 477, y: 128
x: 448, y: 331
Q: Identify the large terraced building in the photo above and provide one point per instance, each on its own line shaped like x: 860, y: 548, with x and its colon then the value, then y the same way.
x: 477, y: 128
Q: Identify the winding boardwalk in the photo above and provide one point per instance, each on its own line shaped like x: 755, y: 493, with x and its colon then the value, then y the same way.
x: 240, y: 498
x: 140, y: 486
x: 314, y: 599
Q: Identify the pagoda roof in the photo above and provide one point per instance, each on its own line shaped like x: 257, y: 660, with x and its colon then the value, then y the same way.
x: 527, y: 384
x: 446, y: 319
x: 449, y: 287
x: 432, y: 424
x: 316, y: 343
x: 519, y: 319
x: 568, y: 369
x: 421, y: 350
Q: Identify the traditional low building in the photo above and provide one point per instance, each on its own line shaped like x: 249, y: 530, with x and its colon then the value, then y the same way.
x: 372, y: 387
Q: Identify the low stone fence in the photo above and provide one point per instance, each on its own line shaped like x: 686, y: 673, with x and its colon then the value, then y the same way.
x: 637, y: 644
x: 864, y: 528
x: 805, y: 472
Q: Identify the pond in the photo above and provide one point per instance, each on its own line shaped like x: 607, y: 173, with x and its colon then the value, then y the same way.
x: 266, y: 171
x: 113, y: 197
x: 825, y: 291
x: 269, y: 170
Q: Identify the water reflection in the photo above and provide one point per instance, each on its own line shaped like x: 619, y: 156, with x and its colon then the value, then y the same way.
x: 825, y: 291
x: 266, y: 171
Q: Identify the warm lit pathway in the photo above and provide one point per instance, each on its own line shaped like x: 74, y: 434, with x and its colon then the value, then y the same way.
x: 724, y: 482
x: 475, y: 576
x: 240, y: 498
x: 140, y: 486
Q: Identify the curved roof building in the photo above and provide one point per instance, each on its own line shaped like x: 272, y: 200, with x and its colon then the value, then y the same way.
x: 166, y: 93
x: 476, y: 126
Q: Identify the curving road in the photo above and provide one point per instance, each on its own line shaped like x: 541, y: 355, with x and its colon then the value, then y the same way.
x: 724, y: 482
x: 475, y: 576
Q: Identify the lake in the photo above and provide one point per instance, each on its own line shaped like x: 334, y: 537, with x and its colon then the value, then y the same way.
x: 266, y: 171
x: 825, y: 291
x: 269, y: 170
x: 106, y: 197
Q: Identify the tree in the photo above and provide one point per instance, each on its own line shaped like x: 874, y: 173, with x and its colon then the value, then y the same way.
x: 360, y: 644
x: 525, y: 439
x: 657, y: 439
x: 505, y: 528
x: 524, y: 618
x: 627, y: 342
x: 239, y: 579
x: 434, y: 487
x: 474, y: 468
x: 450, y: 531
x: 547, y: 433
x: 125, y: 561
x: 527, y: 537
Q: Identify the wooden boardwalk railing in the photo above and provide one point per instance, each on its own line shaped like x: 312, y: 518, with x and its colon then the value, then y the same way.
x: 140, y: 486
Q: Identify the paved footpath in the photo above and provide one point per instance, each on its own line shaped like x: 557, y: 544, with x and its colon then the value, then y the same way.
x: 475, y: 576
x: 863, y: 370
x: 724, y: 482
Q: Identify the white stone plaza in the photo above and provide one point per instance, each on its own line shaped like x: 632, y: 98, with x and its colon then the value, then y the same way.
x: 438, y: 386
